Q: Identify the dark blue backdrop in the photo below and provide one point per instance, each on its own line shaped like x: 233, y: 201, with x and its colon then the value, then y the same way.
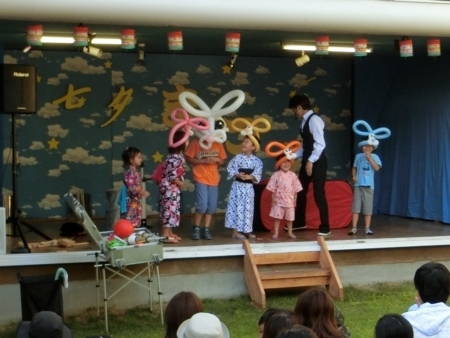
x: 411, y: 97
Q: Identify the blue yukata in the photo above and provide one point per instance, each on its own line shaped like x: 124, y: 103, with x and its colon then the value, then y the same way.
x: 241, y: 201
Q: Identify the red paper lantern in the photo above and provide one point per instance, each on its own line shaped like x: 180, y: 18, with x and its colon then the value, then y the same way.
x: 322, y: 44
x: 175, y: 40
x: 127, y: 38
x: 434, y: 47
x: 232, y: 42
x: 123, y: 228
x: 360, y: 47
x: 406, y: 48
x: 80, y: 36
x: 34, y: 35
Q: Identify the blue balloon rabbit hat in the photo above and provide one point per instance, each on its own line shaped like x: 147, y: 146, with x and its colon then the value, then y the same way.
x: 373, y: 135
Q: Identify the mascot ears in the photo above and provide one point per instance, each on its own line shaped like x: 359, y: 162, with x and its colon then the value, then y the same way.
x: 373, y: 135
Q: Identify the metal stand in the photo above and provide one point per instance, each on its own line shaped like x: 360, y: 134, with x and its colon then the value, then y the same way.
x: 16, y: 217
x: 152, y: 269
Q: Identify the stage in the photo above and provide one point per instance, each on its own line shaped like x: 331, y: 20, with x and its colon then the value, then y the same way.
x: 214, y: 268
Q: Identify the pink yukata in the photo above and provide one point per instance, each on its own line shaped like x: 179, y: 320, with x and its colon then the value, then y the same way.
x: 169, y: 192
x: 133, y: 181
x: 285, y: 185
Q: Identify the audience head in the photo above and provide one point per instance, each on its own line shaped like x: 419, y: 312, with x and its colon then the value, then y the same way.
x: 44, y: 324
x: 265, y: 316
x: 181, y: 307
x: 315, y: 310
x: 393, y: 326
x: 279, y: 321
x: 297, y: 331
x: 203, y: 325
x: 432, y: 282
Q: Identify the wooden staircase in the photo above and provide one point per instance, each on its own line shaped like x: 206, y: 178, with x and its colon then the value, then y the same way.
x: 289, y: 270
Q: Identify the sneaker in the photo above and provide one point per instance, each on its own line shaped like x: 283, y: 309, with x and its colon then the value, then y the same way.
x: 369, y: 232
x: 324, y: 233
x: 353, y: 231
x: 302, y: 227
x: 206, y: 234
x: 195, y: 235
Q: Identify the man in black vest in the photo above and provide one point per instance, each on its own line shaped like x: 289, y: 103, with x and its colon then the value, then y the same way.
x: 314, y: 163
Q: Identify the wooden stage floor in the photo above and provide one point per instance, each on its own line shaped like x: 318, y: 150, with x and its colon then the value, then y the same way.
x: 384, y: 227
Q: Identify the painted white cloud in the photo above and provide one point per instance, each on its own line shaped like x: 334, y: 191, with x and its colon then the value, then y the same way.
x: 188, y: 185
x: 80, y: 65
x: 150, y: 90
x: 249, y: 99
x: 117, y: 77
x: 287, y: 112
x: 158, y: 82
x: 49, y: 110
x: 279, y: 84
x: 35, y: 54
x: 273, y: 125
x: 6, y: 192
x: 214, y: 90
x: 201, y: 69
x: 117, y: 184
x: 320, y: 72
x: 57, y: 172
x: 345, y: 113
x: 75, y: 190
x: 106, y: 56
x: 56, y: 80
x: 105, y: 145
x: 331, y: 174
x: 331, y: 125
x: 27, y: 206
x: 8, y: 59
x: 20, y: 122
x: 36, y: 145
x: 149, y: 210
x: 118, y: 139
x: 80, y: 155
x: 7, y: 155
x: 95, y: 114
x: 117, y: 167
x: 261, y: 70
x: 299, y: 80
x: 7, y: 158
x: 180, y: 78
x: 330, y: 91
x: 138, y: 69
x: 87, y: 123
x: 337, y: 167
x: 49, y: 202
x: 55, y: 130
x: 337, y: 85
x: 144, y: 122
x: 221, y: 83
x: 127, y: 133
x: 240, y: 79
x: 272, y: 91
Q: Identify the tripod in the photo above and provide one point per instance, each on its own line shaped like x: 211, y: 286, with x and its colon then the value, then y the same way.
x: 16, y: 218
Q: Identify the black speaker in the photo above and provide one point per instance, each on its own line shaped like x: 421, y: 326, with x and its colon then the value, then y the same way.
x: 18, y: 89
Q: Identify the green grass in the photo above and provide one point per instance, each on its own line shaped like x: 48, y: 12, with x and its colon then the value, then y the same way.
x: 362, y: 307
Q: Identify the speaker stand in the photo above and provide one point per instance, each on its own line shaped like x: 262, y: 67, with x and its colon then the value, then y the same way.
x: 16, y: 217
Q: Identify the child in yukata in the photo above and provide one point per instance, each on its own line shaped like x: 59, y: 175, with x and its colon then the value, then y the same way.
x: 246, y: 169
x: 284, y: 185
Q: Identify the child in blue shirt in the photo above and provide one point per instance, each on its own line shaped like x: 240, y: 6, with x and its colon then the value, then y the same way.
x: 363, y: 172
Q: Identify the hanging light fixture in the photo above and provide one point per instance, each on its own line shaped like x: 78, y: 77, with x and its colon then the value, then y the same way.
x: 127, y: 38
x: 300, y: 61
x: 406, y: 47
x: 434, y: 47
x: 322, y: 44
x: 232, y: 42
x: 80, y: 36
x: 360, y: 47
x: 34, y: 35
x: 175, y: 40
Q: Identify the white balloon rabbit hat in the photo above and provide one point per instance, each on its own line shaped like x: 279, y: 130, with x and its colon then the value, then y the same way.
x: 213, y: 115
x: 373, y: 135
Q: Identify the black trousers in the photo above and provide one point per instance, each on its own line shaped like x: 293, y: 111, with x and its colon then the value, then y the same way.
x: 318, y: 177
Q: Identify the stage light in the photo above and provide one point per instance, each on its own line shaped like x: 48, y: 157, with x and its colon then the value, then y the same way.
x: 300, y: 61
x: 232, y: 60
x: 94, y: 51
x: 141, y: 55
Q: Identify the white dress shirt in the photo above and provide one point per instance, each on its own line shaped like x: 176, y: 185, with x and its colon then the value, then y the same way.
x: 316, y: 127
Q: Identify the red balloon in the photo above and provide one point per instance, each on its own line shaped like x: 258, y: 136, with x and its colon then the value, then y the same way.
x: 123, y: 228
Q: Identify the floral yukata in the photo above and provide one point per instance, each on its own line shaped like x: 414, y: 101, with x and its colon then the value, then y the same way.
x: 133, y: 181
x: 169, y: 192
x: 241, y: 201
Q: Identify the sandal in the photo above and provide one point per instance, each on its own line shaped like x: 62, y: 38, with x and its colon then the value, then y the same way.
x: 250, y: 235
x: 178, y: 238
x: 292, y: 236
x: 170, y: 240
x: 274, y: 236
x: 238, y: 236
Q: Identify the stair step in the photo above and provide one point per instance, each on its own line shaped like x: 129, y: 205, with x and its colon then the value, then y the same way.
x: 294, y: 278
x: 286, y: 258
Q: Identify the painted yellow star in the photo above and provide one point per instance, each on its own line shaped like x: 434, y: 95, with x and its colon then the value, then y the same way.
x: 316, y: 109
x: 53, y: 144
x: 108, y: 64
x: 226, y: 69
x: 157, y: 157
x: 81, y: 101
x: 38, y: 78
x: 292, y: 93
